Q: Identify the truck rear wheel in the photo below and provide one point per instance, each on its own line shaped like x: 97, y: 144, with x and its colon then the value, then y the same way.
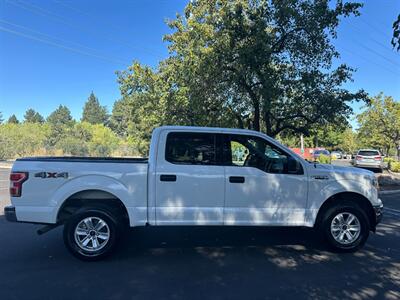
x: 91, y: 233
x: 345, y: 227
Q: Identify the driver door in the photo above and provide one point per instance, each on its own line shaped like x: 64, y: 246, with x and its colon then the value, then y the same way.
x: 264, y: 185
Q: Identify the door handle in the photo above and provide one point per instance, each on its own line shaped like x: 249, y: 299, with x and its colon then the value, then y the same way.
x: 236, y: 179
x: 165, y: 177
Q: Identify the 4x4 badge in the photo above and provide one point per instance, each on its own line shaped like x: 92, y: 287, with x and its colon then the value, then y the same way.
x: 51, y: 175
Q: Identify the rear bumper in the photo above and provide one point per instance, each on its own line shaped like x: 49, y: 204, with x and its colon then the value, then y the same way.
x: 376, y: 165
x: 9, y: 213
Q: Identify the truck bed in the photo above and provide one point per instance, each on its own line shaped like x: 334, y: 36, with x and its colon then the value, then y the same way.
x: 53, y: 179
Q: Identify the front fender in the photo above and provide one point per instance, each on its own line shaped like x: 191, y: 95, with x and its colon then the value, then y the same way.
x: 318, y: 196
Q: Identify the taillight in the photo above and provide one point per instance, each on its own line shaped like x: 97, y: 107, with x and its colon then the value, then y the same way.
x: 358, y: 157
x: 378, y: 158
x: 16, y: 181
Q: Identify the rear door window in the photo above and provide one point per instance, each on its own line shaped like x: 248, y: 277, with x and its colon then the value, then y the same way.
x: 190, y: 148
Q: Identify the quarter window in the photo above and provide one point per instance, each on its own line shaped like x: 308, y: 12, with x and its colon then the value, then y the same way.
x: 191, y: 148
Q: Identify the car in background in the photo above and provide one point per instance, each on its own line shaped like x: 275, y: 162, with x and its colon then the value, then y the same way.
x: 318, y: 152
x: 346, y: 155
x: 337, y: 154
x: 368, y: 158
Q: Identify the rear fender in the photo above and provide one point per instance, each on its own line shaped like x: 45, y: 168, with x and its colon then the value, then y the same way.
x: 92, y: 182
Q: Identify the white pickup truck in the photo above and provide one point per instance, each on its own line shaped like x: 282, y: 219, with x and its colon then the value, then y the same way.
x: 193, y: 176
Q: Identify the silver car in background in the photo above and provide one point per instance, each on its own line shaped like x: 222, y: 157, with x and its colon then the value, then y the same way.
x: 368, y: 158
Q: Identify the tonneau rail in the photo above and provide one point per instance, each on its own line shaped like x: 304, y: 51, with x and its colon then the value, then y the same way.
x: 85, y: 159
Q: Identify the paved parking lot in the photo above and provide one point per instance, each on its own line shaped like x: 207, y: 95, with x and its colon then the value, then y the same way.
x: 201, y: 263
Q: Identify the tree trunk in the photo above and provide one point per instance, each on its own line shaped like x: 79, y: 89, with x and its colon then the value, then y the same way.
x: 268, y: 126
x: 240, y: 122
x: 316, y: 142
x: 256, y: 119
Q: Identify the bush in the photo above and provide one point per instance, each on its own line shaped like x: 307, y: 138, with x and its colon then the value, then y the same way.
x: 388, y: 159
x: 103, y: 141
x: 395, y: 166
x: 73, y: 146
x: 18, y: 140
x: 324, y: 159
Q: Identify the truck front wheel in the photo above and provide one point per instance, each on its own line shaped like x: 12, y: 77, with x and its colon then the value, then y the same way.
x: 91, y: 233
x: 345, y: 227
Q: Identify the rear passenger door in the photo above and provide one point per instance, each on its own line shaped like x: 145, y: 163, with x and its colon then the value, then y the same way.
x: 189, y: 181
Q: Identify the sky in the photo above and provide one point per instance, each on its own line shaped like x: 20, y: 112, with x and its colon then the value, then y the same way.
x: 56, y: 52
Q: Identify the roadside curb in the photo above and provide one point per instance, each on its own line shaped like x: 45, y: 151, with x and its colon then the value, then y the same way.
x: 388, y: 192
x: 5, y: 166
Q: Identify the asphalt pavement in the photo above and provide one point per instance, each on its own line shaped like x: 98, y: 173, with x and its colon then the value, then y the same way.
x: 201, y: 263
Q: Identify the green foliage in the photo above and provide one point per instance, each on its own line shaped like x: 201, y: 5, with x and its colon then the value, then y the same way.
x: 103, y: 141
x: 349, y: 143
x: 93, y: 112
x: 60, y: 122
x: 395, y: 166
x: 61, y: 116
x: 18, y: 140
x: 73, y: 146
x: 380, y: 124
x: 266, y: 65
x: 250, y: 64
x: 13, y: 120
x: 142, y: 107
x: 122, y: 116
x: 396, y: 34
x: 324, y: 159
x: 31, y: 116
x: 81, y: 139
x: 1, y: 118
x: 388, y: 159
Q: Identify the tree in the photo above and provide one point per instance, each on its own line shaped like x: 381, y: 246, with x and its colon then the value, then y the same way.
x: 266, y: 63
x: 349, y: 142
x: 13, y: 120
x: 60, y: 122
x: 380, y: 123
x: 122, y: 116
x: 61, y: 116
x: 93, y: 112
x: 396, y: 34
x: 31, y: 116
x: 142, y: 107
x: 1, y: 117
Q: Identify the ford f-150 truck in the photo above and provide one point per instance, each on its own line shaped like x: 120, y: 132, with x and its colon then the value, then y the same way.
x: 193, y: 176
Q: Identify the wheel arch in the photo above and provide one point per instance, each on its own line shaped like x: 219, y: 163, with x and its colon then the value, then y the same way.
x: 92, y: 198
x: 343, y: 197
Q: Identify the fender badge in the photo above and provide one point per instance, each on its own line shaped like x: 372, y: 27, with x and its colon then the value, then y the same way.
x: 51, y: 175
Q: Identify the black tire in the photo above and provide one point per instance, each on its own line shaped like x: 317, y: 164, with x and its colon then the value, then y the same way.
x: 93, y: 214
x: 345, y: 209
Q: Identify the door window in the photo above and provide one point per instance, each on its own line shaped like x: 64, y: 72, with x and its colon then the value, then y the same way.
x: 190, y: 148
x: 252, y: 151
